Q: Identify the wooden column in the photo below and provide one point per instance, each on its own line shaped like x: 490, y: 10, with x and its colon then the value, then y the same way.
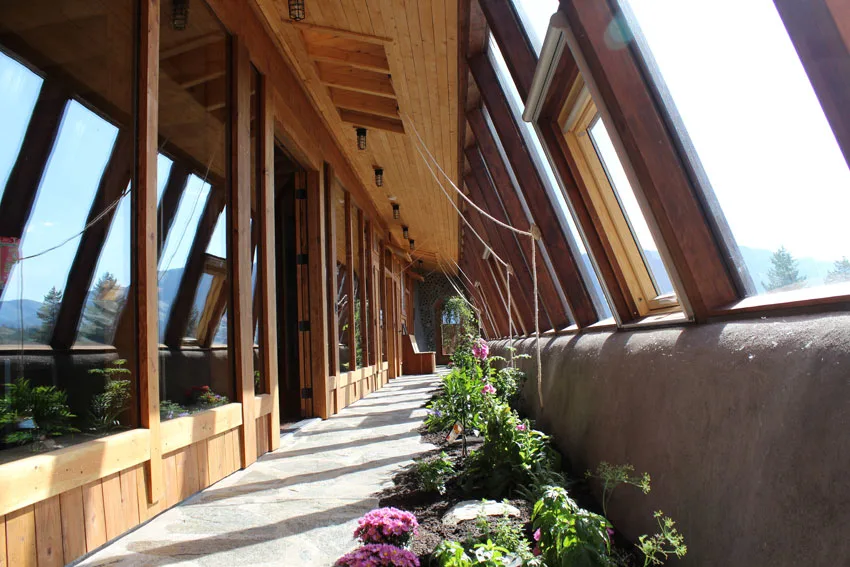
x: 147, y: 305
x: 267, y: 269
x: 382, y: 287
x: 241, y: 312
x: 370, y: 292
x: 566, y: 264
x: 349, y: 282
x: 332, y: 277
x: 318, y: 294
x: 361, y: 262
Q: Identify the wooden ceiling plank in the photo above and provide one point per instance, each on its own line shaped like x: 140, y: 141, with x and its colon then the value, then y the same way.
x: 438, y: 14
x: 339, y: 32
x: 351, y: 58
x: 356, y: 80
x: 372, y: 121
x: 361, y: 102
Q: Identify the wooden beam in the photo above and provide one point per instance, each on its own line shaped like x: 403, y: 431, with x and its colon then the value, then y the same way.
x: 816, y: 33
x: 372, y: 121
x: 332, y: 273
x: 349, y: 291
x: 513, y: 42
x: 115, y: 179
x: 350, y: 55
x: 318, y: 281
x: 502, y: 189
x: 145, y: 257
x: 358, y: 80
x: 361, y: 263
x: 178, y: 176
x: 472, y: 251
x: 181, y: 308
x: 25, y: 177
x: 241, y: 309
x: 364, y: 103
x: 663, y: 185
x: 310, y: 30
x: 565, y: 261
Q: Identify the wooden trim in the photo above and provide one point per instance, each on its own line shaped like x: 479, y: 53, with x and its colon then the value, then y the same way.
x: 40, y: 477
x: 318, y: 282
x: 147, y: 304
x: 655, y: 168
x: 267, y: 283
x: 349, y: 282
x: 513, y: 42
x: 503, y: 189
x: 241, y: 312
x: 332, y: 273
x: 181, y: 432
x: 118, y: 172
x: 565, y: 262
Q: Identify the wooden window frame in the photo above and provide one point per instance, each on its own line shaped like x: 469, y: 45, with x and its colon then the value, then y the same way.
x: 578, y: 114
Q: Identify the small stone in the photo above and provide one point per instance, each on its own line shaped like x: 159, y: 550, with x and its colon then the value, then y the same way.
x: 471, y: 509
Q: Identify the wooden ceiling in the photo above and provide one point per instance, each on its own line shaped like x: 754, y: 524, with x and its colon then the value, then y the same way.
x: 392, y: 67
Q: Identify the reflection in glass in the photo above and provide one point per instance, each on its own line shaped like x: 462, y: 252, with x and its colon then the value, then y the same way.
x: 19, y: 88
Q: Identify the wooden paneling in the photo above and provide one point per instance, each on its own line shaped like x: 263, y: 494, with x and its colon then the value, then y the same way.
x: 95, y: 515
x: 73, y: 523
x: 20, y: 538
x: 184, y: 431
x: 48, y: 528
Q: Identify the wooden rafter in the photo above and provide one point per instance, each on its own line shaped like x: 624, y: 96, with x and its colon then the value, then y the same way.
x: 506, y: 27
x: 357, y: 80
x: 372, y: 121
x: 366, y: 56
x: 365, y: 103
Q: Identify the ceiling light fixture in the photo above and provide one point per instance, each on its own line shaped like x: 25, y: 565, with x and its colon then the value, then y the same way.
x: 396, y: 212
x: 379, y: 176
x: 361, y: 138
x: 412, y: 244
x: 296, y: 10
x: 405, y: 232
x: 179, y: 14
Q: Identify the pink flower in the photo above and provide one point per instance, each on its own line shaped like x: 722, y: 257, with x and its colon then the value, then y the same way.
x: 480, y: 349
x: 488, y: 389
x: 536, y: 551
x: 537, y: 535
x: 521, y: 427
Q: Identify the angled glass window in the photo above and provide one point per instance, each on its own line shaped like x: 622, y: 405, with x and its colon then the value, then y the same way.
x: 163, y: 168
x: 535, y: 15
x: 763, y: 151
x: 551, y: 183
x: 19, y: 88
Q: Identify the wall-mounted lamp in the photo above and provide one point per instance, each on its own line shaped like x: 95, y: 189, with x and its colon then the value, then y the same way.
x: 421, y: 263
x: 179, y: 14
x: 405, y: 232
x: 396, y: 213
x: 412, y: 244
x: 361, y: 138
x: 379, y: 176
x: 296, y: 10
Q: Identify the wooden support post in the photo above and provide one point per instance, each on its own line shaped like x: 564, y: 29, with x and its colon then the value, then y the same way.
x: 267, y: 267
x: 147, y: 307
x: 241, y: 304
x: 370, y: 293
x: 566, y: 263
x: 382, y: 291
x: 361, y: 263
x: 178, y: 176
x: 332, y: 275
x: 349, y: 263
x: 318, y: 294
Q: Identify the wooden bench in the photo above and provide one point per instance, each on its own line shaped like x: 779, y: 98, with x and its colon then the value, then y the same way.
x: 415, y: 362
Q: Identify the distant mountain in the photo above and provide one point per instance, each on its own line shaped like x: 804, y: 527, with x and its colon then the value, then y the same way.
x: 758, y: 263
x: 10, y: 313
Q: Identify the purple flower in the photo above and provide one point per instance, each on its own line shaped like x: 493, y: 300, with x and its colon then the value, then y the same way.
x: 537, y: 535
x: 480, y: 349
x: 387, y: 526
x: 378, y: 555
x: 488, y: 389
x: 521, y: 427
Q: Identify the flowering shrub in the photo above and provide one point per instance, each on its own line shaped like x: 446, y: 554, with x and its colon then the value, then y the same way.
x: 387, y: 525
x: 480, y: 349
x: 488, y: 389
x: 378, y: 555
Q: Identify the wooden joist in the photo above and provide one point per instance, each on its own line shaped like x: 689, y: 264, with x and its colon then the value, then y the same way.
x: 357, y: 80
x: 365, y: 103
x: 369, y: 57
x: 372, y: 121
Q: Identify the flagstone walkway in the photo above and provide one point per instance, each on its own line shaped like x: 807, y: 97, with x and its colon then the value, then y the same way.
x: 297, y: 506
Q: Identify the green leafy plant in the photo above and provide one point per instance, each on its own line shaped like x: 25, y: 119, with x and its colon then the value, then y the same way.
x: 170, y: 410
x: 38, y: 413
x: 504, y: 533
x: 568, y: 535
x: 658, y: 547
x: 107, y: 406
x: 258, y: 382
x: 463, y: 400
x: 508, y: 382
x: 432, y: 474
x: 487, y: 554
x: 613, y: 476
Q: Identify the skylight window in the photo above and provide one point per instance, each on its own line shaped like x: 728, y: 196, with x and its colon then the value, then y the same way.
x: 756, y: 134
x: 535, y: 15
x: 19, y: 88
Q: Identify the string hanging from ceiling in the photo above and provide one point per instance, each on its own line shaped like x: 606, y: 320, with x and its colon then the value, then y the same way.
x: 533, y: 234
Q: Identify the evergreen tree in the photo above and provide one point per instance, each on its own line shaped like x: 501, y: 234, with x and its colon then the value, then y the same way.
x: 784, y: 273
x: 194, y: 319
x: 840, y: 271
x: 48, y: 313
x: 101, y: 314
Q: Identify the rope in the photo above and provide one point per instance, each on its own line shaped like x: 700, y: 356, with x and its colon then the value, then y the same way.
x: 533, y: 233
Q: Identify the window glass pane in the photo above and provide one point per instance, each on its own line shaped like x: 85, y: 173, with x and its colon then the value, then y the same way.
x: 163, y: 168
x: 629, y: 205
x: 550, y: 181
x: 19, y: 89
x: 342, y: 280
x: 764, y: 146
x: 66, y: 119
x: 257, y: 164
x: 196, y: 362
x: 535, y: 15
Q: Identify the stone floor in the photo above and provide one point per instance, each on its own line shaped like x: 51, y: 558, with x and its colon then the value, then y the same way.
x: 297, y: 506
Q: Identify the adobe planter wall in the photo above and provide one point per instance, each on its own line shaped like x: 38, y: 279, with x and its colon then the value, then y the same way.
x: 744, y: 427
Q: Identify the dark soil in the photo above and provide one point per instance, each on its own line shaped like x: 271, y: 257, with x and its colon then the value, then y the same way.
x: 430, y: 507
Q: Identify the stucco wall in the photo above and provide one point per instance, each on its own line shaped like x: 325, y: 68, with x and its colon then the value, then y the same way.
x: 744, y: 427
